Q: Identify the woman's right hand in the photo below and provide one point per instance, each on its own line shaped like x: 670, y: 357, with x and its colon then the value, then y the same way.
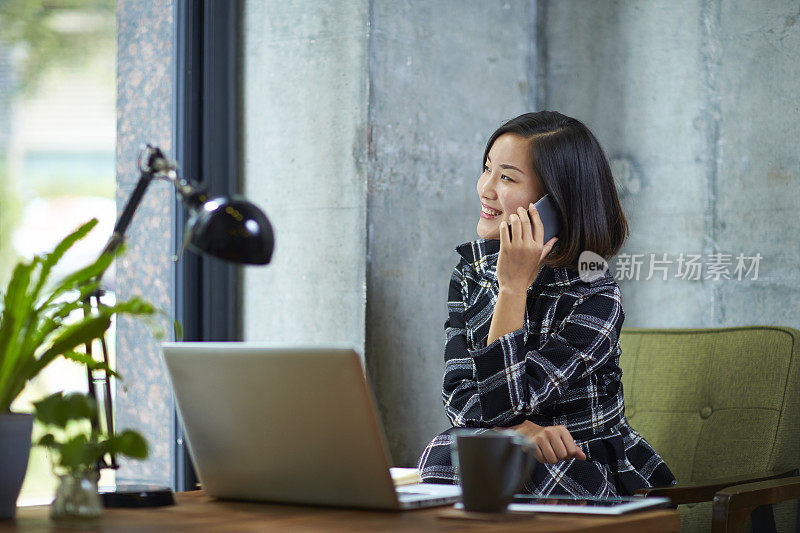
x: 521, y: 249
x: 551, y: 443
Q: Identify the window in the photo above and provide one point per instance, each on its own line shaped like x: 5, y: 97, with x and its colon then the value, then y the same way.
x: 57, y: 159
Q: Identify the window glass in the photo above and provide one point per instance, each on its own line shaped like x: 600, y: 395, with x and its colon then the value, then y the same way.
x: 57, y: 160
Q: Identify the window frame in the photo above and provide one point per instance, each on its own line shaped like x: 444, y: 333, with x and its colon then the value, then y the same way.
x: 206, y: 138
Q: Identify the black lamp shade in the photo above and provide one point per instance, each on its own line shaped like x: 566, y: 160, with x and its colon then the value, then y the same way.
x: 232, y: 229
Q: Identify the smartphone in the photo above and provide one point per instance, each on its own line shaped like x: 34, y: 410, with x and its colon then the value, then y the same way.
x: 550, y: 218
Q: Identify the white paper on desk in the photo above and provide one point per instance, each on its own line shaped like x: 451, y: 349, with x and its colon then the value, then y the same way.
x: 404, y: 476
x: 578, y: 505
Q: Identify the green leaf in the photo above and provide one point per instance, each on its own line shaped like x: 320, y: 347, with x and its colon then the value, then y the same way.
x: 134, y: 306
x: 129, y: 443
x: 51, y: 259
x: 92, y: 363
x: 38, y: 337
x: 22, y: 329
x: 138, y: 307
x: 48, y: 324
x: 13, y: 318
x: 48, y: 441
x: 28, y: 307
x: 81, y: 406
x: 32, y: 321
x: 58, y: 410
x: 78, y: 453
x: 81, y: 451
x: 178, y: 330
x: 37, y: 333
x: 74, y: 335
x: 47, y: 410
x: 67, y: 338
x: 76, y: 279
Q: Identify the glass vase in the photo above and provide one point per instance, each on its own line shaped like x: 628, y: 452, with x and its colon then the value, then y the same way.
x: 77, y: 501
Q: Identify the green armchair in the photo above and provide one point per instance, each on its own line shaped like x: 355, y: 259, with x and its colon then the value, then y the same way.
x: 722, y: 408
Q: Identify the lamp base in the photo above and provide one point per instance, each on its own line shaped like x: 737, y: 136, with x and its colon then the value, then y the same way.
x: 136, y: 496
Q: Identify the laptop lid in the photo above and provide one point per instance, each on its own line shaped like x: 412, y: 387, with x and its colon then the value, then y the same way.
x: 292, y: 425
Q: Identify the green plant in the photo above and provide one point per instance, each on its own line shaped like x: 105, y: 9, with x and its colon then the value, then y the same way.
x: 77, y: 445
x: 37, y: 323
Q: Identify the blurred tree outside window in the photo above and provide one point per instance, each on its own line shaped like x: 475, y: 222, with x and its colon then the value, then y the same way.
x: 57, y: 159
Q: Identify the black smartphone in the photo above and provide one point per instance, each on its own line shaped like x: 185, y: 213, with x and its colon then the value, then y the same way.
x: 550, y: 218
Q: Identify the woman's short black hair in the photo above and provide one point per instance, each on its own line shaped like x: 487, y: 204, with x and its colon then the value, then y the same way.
x: 574, y: 171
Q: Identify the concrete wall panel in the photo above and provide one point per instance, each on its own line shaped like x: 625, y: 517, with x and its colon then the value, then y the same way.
x: 304, y: 90
x: 443, y: 75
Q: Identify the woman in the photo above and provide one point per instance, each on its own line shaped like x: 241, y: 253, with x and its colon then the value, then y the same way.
x: 530, y: 345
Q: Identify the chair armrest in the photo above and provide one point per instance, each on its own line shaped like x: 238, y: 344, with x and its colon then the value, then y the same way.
x: 733, y: 505
x: 704, y: 491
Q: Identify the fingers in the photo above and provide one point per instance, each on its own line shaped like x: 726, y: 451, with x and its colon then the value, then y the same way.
x: 572, y: 449
x: 537, y: 453
x: 525, y: 221
x: 538, y: 227
x: 505, y: 237
x: 547, y: 452
x: 556, y: 444
x: 559, y: 449
x: 516, y: 228
x: 548, y: 247
x: 551, y: 443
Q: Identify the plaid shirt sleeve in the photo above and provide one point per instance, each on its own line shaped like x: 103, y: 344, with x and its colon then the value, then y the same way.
x: 462, y: 403
x: 512, y: 381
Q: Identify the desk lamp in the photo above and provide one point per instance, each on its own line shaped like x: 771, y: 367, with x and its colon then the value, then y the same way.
x: 231, y: 229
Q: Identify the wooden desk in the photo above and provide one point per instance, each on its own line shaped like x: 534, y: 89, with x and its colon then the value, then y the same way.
x: 196, y: 511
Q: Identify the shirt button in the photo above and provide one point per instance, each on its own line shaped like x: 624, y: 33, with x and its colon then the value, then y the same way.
x: 705, y: 412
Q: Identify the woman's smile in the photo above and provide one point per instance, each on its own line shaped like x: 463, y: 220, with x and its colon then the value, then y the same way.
x: 489, y: 213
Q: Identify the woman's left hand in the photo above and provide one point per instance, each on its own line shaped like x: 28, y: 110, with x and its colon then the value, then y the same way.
x: 521, y: 249
x: 551, y: 443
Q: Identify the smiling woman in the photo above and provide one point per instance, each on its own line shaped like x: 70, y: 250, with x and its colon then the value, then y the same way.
x: 529, y: 344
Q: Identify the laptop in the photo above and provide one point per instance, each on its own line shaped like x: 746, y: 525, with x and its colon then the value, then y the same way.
x: 288, y: 425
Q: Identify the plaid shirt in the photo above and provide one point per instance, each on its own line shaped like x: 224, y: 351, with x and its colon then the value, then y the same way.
x: 560, y: 368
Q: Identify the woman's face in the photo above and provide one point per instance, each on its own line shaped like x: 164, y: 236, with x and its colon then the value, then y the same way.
x: 507, y: 182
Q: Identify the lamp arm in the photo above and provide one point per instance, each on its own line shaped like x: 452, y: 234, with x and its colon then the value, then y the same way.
x: 118, y: 237
x: 153, y: 165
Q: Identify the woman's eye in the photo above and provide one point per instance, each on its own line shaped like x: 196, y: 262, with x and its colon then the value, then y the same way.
x: 486, y: 169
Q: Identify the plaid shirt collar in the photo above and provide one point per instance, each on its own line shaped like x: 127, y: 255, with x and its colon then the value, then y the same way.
x: 482, y: 255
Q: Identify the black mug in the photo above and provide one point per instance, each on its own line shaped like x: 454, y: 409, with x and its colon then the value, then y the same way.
x: 492, y: 467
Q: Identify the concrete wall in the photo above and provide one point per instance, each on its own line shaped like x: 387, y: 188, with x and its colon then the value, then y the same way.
x: 365, y: 124
x: 443, y: 75
x: 304, y: 95
x: 695, y: 103
x: 364, y: 127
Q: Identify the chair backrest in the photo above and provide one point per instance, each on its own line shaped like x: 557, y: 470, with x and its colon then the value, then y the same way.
x: 715, y: 402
